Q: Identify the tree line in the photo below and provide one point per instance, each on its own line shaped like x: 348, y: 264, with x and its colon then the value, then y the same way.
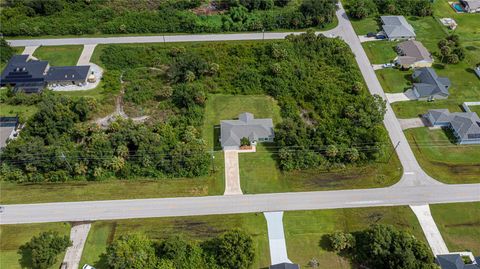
x: 77, y: 17
x: 360, y: 9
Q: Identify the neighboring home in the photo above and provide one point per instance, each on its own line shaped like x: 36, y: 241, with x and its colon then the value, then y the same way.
x: 67, y: 75
x: 428, y: 86
x: 413, y: 54
x: 455, y: 261
x: 256, y: 130
x: 471, y: 6
x: 284, y: 265
x: 32, y: 76
x: 8, y: 128
x: 397, y: 28
x: 464, y: 125
x: 24, y: 75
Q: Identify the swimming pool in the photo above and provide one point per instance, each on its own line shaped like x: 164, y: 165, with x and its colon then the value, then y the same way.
x: 458, y: 7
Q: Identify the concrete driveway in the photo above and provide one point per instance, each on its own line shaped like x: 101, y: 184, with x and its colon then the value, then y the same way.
x: 430, y: 229
x: 276, y: 238
x: 78, y: 236
x: 86, y: 54
x: 29, y: 50
x: 413, y: 123
x: 232, y: 173
x: 401, y: 97
x: 364, y: 38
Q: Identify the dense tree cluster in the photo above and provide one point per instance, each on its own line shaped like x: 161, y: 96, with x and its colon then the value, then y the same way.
x: 360, y: 9
x: 6, y: 52
x: 383, y: 246
x: 451, y: 49
x: 44, y: 249
x: 230, y: 250
x: 63, y: 17
x: 329, y: 117
x: 59, y: 143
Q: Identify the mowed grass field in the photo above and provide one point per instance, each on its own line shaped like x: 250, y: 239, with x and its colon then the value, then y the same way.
x: 197, y: 228
x: 304, y: 231
x: 459, y: 225
x: 443, y: 160
x: 59, y: 55
x: 12, y: 237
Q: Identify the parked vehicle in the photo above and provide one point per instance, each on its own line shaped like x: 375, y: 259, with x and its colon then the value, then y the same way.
x: 371, y: 34
x: 1, y: 209
x: 381, y: 37
x: 86, y: 266
x: 388, y: 65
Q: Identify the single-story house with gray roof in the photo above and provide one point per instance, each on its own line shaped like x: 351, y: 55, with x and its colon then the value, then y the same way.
x: 284, y: 265
x: 471, y: 6
x: 412, y: 54
x: 256, y: 130
x: 397, y: 28
x: 428, y: 85
x: 464, y: 125
x: 455, y: 261
x: 68, y: 75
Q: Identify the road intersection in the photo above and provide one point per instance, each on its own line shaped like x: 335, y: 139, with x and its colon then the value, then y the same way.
x: 414, y: 188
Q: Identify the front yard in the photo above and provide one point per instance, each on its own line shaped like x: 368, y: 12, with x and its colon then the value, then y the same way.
x: 443, y: 160
x: 59, y: 55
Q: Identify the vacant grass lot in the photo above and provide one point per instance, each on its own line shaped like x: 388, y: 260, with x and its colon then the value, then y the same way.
x: 12, y: 237
x: 13, y: 193
x: 443, y: 160
x: 59, y: 55
x: 304, y: 230
x: 365, y: 26
x: 380, y: 52
x: 197, y: 228
x: 394, y: 80
x: 459, y: 224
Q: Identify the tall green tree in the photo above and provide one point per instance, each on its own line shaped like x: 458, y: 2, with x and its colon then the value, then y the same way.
x: 232, y: 250
x: 45, y: 247
x: 132, y: 251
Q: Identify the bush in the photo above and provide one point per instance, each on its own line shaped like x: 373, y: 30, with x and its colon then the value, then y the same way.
x: 45, y: 248
x: 232, y: 250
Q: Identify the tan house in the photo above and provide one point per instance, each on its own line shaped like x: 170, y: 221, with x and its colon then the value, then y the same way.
x: 412, y: 54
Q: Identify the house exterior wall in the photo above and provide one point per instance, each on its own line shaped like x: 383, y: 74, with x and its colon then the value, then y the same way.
x: 68, y: 82
x: 422, y: 64
x: 395, y: 38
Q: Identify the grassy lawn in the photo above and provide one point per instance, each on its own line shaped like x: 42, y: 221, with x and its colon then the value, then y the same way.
x: 459, y: 225
x: 304, y: 230
x: 225, y: 107
x: 259, y: 174
x: 380, y: 52
x: 196, y: 228
x: 466, y: 22
x: 475, y: 109
x: 365, y: 26
x: 14, y: 236
x: 442, y: 159
x: 394, y: 80
x: 59, y: 55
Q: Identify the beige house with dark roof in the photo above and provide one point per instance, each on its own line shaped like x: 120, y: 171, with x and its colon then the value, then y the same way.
x: 412, y: 54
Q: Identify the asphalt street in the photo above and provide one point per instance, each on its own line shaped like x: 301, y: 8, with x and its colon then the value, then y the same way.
x: 415, y: 187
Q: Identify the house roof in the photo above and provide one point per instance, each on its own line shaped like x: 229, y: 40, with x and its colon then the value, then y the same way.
x: 246, y: 126
x: 397, y: 26
x: 412, y: 51
x: 285, y: 265
x: 465, y: 124
x: 67, y: 73
x: 430, y: 83
x: 7, y: 126
x: 20, y: 70
x: 454, y: 261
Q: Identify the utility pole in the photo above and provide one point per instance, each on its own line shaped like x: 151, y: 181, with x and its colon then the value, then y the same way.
x: 63, y: 157
x: 391, y: 153
x: 263, y: 34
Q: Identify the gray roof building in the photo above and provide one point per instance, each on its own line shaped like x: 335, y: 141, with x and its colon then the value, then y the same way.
x: 67, y: 73
x: 8, y: 125
x: 413, y: 54
x: 285, y: 265
x: 397, y: 27
x: 471, y: 5
x: 232, y: 131
x: 22, y: 71
x: 429, y: 85
x: 455, y: 261
x: 464, y: 125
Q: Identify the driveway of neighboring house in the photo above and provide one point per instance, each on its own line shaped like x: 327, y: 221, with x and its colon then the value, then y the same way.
x: 29, y: 50
x: 232, y: 173
x: 276, y: 238
x: 413, y: 123
x: 430, y: 229
x: 364, y: 38
x: 86, y: 54
x: 400, y: 97
x: 78, y: 236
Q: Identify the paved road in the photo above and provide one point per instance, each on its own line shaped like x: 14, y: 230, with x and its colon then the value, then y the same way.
x: 233, y: 204
x: 415, y: 187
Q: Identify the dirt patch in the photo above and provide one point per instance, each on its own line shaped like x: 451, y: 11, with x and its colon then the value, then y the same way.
x: 460, y: 225
x: 459, y: 169
x: 199, y: 229
x: 207, y: 9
